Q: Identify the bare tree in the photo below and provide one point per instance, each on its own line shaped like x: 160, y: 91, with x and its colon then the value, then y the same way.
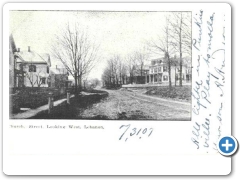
x: 76, y: 52
x: 181, y: 26
x: 141, y: 56
x: 131, y: 65
x: 39, y: 80
x: 106, y: 77
x: 35, y: 78
x: 115, y: 72
x: 30, y: 77
x: 175, y: 63
x: 163, y: 45
x: 95, y: 82
x: 123, y: 73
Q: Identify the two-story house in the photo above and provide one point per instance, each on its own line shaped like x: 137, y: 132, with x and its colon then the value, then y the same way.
x: 159, y: 72
x: 31, y: 68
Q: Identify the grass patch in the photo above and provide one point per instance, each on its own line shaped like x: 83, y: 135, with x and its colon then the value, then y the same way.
x: 178, y: 93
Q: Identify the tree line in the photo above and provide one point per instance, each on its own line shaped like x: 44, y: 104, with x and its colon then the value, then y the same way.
x: 174, y: 39
x: 79, y: 54
x: 122, y: 70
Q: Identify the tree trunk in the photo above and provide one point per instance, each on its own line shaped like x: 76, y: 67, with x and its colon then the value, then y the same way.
x: 180, y: 83
x: 80, y: 82
x: 175, y: 77
x: 76, y: 83
x: 180, y: 48
x: 169, y: 72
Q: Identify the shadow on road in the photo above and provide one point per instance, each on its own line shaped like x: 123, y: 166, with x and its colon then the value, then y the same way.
x: 77, y: 105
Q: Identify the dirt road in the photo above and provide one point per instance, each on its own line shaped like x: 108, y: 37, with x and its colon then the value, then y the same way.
x: 126, y: 105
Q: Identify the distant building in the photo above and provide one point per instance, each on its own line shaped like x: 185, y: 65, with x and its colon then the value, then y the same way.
x: 138, y: 75
x: 158, y: 71
x: 31, y: 68
x: 59, y: 78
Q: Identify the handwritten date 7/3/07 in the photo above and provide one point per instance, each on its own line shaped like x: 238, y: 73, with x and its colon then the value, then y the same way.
x: 134, y: 132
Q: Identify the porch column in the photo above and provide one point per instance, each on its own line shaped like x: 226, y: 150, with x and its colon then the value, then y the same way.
x: 145, y: 78
x: 149, y: 78
x: 153, y: 78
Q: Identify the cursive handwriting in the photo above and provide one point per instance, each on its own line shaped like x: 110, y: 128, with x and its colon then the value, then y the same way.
x: 210, y: 29
x: 196, y: 133
x: 134, y: 132
x: 209, y: 83
x: 206, y: 132
x: 198, y: 22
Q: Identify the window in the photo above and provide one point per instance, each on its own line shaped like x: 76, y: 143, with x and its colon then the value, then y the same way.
x: 164, y: 69
x: 21, y: 67
x: 48, y: 69
x: 43, y: 80
x: 32, y: 68
x: 159, y: 69
x: 165, y: 78
x: 155, y: 70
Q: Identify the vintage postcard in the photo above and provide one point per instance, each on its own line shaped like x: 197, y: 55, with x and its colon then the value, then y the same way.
x: 117, y: 89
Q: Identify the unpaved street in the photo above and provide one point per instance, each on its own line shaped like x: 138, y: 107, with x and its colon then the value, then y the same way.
x: 126, y: 105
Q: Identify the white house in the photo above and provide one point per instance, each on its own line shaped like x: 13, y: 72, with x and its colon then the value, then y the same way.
x: 158, y: 71
x: 32, y: 68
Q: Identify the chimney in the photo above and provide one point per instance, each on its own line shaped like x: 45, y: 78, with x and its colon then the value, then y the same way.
x: 18, y: 50
x: 29, y: 50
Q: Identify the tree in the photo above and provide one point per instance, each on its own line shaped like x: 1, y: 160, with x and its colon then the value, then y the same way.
x: 181, y: 36
x: 175, y: 63
x: 131, y: 66
x: 141, y: 56
x: 36, y: 78
x: 76, y: 52
x: 163, y: 45
x: 115, y: 72
x: 95, y: 82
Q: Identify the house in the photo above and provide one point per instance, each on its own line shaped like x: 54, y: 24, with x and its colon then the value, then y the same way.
x: 12, y: 50
x: 59, y: 78
x: 31, y: 68
x: 159, y: 73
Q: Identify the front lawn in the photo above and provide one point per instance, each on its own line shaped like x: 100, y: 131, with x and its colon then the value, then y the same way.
x: 177, y: 93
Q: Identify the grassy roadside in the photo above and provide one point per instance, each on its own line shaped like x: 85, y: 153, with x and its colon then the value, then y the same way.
x: 176, y: 93
x: 77, y: 105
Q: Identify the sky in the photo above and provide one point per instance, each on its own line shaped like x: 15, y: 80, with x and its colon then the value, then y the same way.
x: 117, y: 33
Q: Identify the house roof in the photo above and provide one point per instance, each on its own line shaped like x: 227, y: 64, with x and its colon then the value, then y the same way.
x: 12, y: 44
x: 186, y: 60
x: 33, y: 57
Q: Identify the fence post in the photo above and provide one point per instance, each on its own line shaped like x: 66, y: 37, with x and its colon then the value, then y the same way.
x: 50, y: 102
x: 68, y: 97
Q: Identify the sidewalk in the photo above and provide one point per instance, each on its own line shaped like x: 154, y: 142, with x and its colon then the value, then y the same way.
x: 33, y: 112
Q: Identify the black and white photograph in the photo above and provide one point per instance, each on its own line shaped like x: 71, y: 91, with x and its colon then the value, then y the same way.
x: 100, y: 65
x: 118, y: 89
